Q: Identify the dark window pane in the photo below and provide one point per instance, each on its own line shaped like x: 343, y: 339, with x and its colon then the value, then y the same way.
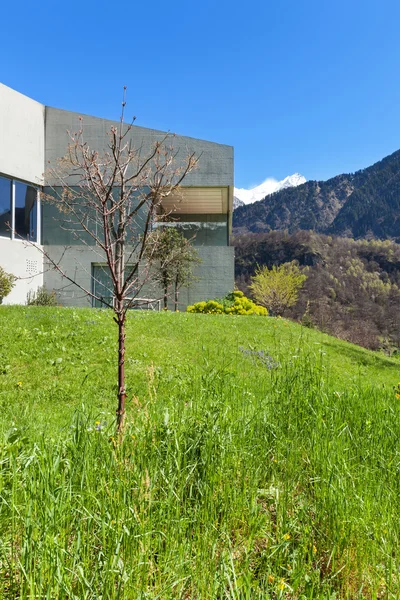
x: 25, y: 211
x: 102, y: 286
x: 5, y: 207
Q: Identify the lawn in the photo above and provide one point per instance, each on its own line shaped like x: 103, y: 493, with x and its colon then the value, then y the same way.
x: 260, y: 460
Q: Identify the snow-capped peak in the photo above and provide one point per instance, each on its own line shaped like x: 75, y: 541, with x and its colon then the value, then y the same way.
x: 269, y: 186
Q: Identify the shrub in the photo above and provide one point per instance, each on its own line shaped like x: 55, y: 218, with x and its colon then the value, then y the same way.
x: 234, y: 303
x: 278, y: 288
x: 209, y: 307
x: 42, y: 297
x: 7, y: 282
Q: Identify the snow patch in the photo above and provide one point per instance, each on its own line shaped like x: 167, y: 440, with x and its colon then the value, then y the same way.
x: 269, y: 186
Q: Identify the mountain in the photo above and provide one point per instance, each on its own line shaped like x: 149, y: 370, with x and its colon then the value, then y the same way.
x: 237, y: 202
x: 358, y: 205
x: 269, y: 186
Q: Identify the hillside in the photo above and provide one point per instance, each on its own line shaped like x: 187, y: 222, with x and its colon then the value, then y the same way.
x: 64, y: 358
x: 352, y: 288
x: 362, y: 204
x: 259, y: 460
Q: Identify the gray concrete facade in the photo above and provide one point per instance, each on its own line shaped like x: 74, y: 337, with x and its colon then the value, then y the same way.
x: 215, y: 167
x: 42, y: 139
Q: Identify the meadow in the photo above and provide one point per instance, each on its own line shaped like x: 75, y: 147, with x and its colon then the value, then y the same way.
x: 260, y: 459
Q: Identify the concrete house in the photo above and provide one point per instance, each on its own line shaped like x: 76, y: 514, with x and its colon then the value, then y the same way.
x: 32, y: 134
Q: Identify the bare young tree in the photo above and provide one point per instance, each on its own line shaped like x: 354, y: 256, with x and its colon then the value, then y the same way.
x: 110, y: 200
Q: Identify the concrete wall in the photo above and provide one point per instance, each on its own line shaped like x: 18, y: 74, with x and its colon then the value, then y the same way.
x: 22, y: 260
x: 215, y: 275
x: 215, y: 169
x: 76, y: 261
x: 215, y: 166
x: 22, y: 136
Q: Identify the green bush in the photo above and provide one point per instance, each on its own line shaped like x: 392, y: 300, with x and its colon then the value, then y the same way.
x: 234, y: 303
x: 42, y: 297
x: 7, y: 282
x: 278, y: 288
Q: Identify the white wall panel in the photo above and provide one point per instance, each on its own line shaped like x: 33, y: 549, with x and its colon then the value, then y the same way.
x: 22, y: 260
x: 21, y: 136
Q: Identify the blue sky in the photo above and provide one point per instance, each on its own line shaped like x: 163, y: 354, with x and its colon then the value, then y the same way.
x: 311, y: 86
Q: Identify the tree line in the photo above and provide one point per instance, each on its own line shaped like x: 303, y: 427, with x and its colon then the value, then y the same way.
x: 352, y: 288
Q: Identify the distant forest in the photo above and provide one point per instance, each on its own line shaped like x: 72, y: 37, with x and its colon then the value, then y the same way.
x: 352, y: 289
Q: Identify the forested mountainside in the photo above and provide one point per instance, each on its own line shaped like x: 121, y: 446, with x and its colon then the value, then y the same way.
x: 362, y: 204
x: 352, y: 289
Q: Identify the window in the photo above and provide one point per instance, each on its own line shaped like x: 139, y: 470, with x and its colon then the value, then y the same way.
x: 19, y: 210
x: 5, y: 207
x: 102, y: 286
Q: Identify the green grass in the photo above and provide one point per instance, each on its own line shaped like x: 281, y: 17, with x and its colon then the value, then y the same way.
x: 260, y: 460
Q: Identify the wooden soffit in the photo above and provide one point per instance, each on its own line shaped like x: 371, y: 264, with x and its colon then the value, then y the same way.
x: 198, y: 201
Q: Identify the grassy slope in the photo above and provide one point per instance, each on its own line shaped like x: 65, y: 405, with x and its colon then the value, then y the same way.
x: 64, y: 358
x: 234, y: 480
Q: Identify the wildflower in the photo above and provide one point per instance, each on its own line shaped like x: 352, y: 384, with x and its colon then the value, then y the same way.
x: 271, y: 579
x: 314, y: 549
x: 19, y: 384
x: 282, y: 584
x: 287, y: 536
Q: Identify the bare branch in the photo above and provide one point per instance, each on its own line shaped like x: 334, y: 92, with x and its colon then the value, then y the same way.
x: 114, y: 200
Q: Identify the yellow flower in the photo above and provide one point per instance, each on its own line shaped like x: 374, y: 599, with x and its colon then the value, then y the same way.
x: 314, y: 549
x: 287, y: 536
x: 282, y: 584
x: 19, y: 383
x: 271, y: 579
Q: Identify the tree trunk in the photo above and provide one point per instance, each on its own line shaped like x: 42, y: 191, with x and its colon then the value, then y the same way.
x: 176, y: 297
x: 121, y: 372
x: 165, y: 297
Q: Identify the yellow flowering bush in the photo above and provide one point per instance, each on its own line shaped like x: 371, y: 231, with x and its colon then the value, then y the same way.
x: 234, y: 303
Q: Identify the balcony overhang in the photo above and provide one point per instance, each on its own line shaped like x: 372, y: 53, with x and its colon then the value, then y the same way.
x: 199, y: 201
